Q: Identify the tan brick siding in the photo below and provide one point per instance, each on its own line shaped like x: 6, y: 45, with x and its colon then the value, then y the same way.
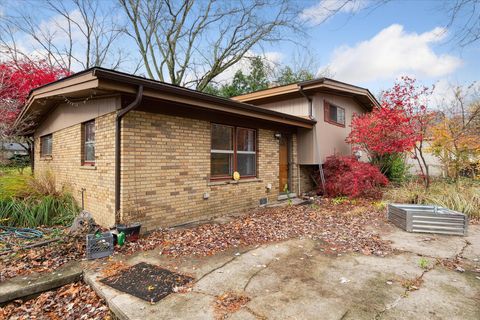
x: 306, y: 182
x: 65, y: 163
x: 166, y: 167
x: 165, y: 171
x: 293, y: 165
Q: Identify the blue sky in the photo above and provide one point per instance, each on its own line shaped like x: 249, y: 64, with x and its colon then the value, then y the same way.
x: 372, y: 48
x: 365, y: 47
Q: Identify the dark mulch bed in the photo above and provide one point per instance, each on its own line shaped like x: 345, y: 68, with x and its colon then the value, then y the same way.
x: 148, y: 282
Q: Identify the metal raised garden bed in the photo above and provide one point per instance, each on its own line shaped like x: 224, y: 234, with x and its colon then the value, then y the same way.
x: 428, y: 219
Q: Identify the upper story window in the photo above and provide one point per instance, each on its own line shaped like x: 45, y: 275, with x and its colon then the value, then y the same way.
x: 46, y: 145
x: 334, y: 114
x: 88, y: 143
x: 233, y: 149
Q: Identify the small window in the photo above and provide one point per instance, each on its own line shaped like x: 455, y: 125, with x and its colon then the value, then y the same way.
x: 46, y: 146
x: 233, y: 149
x: 89, y: 143
x: 246, y: 154
x: 334, y: 114
x: 222, y: 151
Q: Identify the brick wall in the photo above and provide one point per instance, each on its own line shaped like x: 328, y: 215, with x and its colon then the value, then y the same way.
x: 306, y: 183
x: 165, y: 171
x: 166, y: 167
x: 65, y: 163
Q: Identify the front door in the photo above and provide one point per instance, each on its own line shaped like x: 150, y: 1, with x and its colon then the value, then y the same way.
x: 283, y: 164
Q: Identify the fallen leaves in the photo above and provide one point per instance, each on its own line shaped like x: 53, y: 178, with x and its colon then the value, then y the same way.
x: 228, y: 303
x: 349, y: 226
x: 341, y: 227
x: 114, y: 268
x: 74, y: 301
x: 41, y: 259
x: 412, y: 284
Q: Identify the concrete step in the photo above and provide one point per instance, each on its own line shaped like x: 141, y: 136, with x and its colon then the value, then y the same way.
x: 24, y: 287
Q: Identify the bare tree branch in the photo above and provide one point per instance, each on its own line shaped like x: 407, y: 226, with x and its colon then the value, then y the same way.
x: 80, y: 32
x: 192, y: 42
x: 464, y: 20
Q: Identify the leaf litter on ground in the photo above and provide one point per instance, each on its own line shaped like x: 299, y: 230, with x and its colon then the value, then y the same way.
x: 349, y: 226
x: 228, y: 303
x: 73, y: 301
x: 345, y: 227
x: 42, y: 259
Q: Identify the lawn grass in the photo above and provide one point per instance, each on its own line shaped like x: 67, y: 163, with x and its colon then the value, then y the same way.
x: 13, y: 182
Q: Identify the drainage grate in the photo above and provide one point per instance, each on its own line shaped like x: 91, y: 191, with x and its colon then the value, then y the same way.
x: 146, y: 281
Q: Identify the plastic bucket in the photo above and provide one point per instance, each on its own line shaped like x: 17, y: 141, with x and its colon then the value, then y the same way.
x: 132, y: 231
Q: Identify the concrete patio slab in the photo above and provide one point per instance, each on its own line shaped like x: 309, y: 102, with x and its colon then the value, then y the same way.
x: 296, y: 280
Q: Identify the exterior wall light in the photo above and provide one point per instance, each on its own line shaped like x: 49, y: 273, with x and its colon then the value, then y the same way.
x: 277, y: 135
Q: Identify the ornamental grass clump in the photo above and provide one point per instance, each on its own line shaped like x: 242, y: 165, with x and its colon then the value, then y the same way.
x: 40, y: 203
x: 462, y: 196
x: 34, y: 212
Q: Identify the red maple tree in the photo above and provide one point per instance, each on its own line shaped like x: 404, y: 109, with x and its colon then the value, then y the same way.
x: 346, y: 176
x: 17, y: 79
x: 399, y: 125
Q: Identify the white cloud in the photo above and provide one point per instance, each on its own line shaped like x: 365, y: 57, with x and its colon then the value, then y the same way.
x: 323, y: 10
x: 390, y: 53
x: 58, y: 26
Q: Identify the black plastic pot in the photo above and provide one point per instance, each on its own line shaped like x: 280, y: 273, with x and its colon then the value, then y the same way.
x: 132, y: 231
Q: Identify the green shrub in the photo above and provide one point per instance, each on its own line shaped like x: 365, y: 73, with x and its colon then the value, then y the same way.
x: 463, y: 196
x: 34, y: 212
x: 393, y: 166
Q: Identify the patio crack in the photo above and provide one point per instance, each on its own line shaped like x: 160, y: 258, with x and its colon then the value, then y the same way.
x: 408, y: 289
x: 223, y: 265
x: 257, y: 315
x: 460, y: 253
x: 256, y: 273
x: 455, y: 257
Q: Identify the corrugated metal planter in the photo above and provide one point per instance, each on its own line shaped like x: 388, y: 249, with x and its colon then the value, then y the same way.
x: 428, y: 219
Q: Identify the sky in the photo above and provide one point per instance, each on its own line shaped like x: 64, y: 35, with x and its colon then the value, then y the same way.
x: 373, y: 47
x: 364, y: 46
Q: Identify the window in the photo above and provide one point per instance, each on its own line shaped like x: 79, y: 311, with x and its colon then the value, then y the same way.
x: 89, y: 143
x: 233, y: 149
x: 46, y: 146
x: 334, y: 114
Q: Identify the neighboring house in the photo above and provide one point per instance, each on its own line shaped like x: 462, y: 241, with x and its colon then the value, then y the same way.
x: 435, y: 166
x: 331, y: 103
x: 10, y: 149
x: 147, y: 151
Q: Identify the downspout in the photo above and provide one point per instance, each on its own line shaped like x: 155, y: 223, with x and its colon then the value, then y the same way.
x: 310, y: 102
x: 315, y: 141
x: 118, y: 127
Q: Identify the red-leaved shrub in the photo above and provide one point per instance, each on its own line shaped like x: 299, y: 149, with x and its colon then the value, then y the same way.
x: 346, y: 176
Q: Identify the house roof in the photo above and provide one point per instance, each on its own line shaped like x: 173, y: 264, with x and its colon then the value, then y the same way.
x: 362, y: 95
x: 12, y: 146
x: 98, y: 82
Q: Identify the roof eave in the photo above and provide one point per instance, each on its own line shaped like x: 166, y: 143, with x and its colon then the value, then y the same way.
x: 104, y: 79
